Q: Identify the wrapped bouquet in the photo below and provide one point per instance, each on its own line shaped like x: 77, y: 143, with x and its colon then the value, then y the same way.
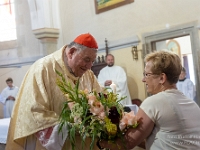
x: 93, y: 115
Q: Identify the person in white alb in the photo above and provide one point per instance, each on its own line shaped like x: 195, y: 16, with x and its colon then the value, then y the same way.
x: 115, y: 74
x: 8, y: 96
x: 186, y: 86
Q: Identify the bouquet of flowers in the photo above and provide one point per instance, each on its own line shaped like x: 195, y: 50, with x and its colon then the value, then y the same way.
x: 93, y: 115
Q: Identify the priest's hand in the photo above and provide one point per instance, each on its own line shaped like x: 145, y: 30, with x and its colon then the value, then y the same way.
x: 108, y: 82
x: 51, y: 138
x: 10, y: 98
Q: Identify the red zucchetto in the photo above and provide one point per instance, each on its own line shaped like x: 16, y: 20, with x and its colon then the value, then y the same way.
x: 87, y: 40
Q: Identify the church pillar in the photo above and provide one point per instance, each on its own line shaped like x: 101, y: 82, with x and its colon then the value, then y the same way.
x: 45, y: 23
x: 48, y: 39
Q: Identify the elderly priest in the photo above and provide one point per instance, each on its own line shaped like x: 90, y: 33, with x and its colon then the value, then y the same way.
x: 35, y: 118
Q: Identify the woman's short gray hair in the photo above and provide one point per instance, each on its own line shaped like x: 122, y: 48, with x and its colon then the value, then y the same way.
x: 165, y: 62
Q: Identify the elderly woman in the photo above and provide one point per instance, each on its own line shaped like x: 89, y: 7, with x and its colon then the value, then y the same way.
x: 168, y: 120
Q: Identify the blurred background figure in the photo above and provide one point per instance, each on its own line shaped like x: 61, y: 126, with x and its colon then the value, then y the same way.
x: 186, y: 86
x: 115, y: 74
x: 8, y: 96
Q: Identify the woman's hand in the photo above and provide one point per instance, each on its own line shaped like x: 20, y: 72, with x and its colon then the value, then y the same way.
x: 134, y: 136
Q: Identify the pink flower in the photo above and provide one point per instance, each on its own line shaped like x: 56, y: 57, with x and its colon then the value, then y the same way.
x: 91, y: 99
x: 122, y: 126
x: 102, y: 115
x: 132, y: 121
x: 127, y: 119
x: 96, y: 108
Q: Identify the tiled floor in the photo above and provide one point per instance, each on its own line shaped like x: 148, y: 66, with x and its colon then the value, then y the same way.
x: 2, y: 146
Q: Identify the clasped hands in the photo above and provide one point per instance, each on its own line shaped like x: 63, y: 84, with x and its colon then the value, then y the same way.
x: 10, y: 98
x: 108, y: 82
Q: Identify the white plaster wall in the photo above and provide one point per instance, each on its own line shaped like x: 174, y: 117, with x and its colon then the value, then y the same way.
x: 9, y: 55
x: 122, y: 22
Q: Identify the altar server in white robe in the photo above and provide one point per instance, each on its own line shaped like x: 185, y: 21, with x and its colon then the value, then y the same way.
x: 8, y: 96
x: 186, y: 86
x: 115, y: 74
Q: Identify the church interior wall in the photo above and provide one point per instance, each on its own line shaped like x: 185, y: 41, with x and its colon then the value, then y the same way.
x: 78, y: 17
x: 123, y: 22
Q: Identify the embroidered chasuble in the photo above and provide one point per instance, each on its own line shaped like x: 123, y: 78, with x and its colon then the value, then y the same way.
x: 39, y: 102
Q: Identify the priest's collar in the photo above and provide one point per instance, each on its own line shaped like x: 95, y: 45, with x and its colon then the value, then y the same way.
x: 11, y: 88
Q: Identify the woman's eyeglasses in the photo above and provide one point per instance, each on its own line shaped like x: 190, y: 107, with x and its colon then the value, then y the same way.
x: 147, y: 74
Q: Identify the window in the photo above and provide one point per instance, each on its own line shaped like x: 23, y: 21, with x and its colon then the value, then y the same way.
x: 7, y: 21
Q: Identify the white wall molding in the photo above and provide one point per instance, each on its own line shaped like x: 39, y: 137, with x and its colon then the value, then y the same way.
x: 21, y: 62
x: 48, y: 39
x: 119, y: 44
x: 46, y: 33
